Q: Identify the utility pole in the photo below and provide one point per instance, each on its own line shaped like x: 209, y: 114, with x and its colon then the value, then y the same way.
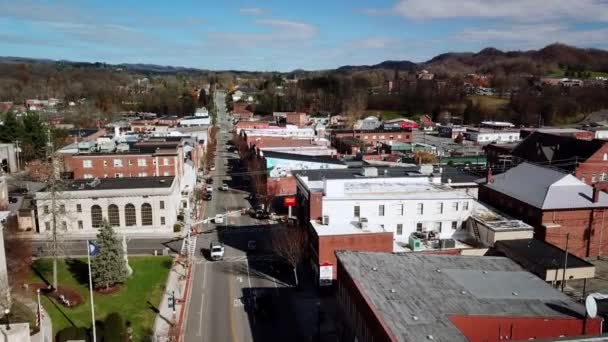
x: 53, y: 188
x: 565, y: 262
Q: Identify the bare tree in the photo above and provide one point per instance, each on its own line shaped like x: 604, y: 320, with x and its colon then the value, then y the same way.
x: 290, y: 244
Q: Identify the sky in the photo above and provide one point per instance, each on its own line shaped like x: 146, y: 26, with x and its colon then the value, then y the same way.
x: 284, y: 35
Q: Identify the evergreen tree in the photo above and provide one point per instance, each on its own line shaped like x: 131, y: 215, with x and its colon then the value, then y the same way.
x: 11, y: 129
x: 108, y: 266
x: 34, y: 136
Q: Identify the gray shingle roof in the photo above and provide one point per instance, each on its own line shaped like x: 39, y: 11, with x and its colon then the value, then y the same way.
x: 465, y: 285
x: 546, y: 188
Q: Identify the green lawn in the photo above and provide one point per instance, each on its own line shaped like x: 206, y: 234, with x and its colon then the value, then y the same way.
x: 135, y: 301
x: 561, y: 73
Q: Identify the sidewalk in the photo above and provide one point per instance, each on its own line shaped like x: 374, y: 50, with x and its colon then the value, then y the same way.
x: 168, y: 323
x: 92, y: 235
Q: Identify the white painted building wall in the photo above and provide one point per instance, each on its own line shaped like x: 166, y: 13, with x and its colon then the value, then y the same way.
x: 401, y: 198
x: 498, y: 136
x: 72, y: 217
x: 283, y: 167
x: 601, y: 134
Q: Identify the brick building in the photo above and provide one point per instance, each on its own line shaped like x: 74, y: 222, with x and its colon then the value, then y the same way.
x: 142, y: 160
x: 423, y: 297
x: 499, y: 156
x: 373, y: 137
x: 297, y: 118
x: 586, y: 159
x: 556, y: 204
x: 567, y: 132
x: 241, y: 125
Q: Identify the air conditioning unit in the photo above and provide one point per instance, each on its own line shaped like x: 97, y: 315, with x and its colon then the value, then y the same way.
x: 325, y: 220
x: 363, y: 222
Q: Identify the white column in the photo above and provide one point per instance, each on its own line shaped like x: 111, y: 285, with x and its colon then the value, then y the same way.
x: 3, y: 271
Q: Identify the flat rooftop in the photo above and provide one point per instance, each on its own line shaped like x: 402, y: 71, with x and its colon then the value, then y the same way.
x: 120, y: 183
x: 302, y: 157
x: 358, y: 172
x: 497, y: 221
x: 348, y: 228
x: 415, y: 300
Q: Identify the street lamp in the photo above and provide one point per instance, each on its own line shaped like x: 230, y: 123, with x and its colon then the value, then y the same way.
x: 8, y: 321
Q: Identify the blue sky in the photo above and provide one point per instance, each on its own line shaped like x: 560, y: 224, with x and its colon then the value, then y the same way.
x: 286, y: 35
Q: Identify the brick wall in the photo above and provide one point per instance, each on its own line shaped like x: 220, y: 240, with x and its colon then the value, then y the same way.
x: 103, y: 166
x: 592, y: 168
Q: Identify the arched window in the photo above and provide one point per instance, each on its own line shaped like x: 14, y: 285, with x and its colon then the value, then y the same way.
x: 146, y: 214
x: 113, y: 215
x: 96, y: 216
x: 130, y: 216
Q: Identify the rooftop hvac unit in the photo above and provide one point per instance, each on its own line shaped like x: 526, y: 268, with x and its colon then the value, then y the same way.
x: 325, y: 220
x: 363, y: 222
x: 414, y: 243
x: 370, y: 172
x: 447, y: 243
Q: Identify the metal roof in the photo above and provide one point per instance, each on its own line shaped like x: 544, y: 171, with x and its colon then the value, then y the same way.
x: 414, y: 294
x: 546, y: 188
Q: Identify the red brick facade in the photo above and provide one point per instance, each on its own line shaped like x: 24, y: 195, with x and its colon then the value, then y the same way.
x: 588, y: 228
x: 595, y: 168
x: 372, y: 137
x: 296, y: 118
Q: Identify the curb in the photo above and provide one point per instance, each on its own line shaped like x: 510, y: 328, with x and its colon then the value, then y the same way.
x: 184, y: 300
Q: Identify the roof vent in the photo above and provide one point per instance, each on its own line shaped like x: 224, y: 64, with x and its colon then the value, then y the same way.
x: 438, y: 271
x: 415, y: 318
x: 463, y: 292
x: 162, y: 181
x: 393, y: 291
x: 430, y: 337
x: 374, y: 268
x: 515, y: 293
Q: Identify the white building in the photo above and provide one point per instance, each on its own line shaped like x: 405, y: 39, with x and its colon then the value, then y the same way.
x: 390, y: 199
x: 486, y: 135
x: 288, y: 131
x: 280, y: 164
x: 192, y: 121
x: 142, y: 205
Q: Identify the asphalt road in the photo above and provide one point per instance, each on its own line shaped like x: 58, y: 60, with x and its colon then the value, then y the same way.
x: 227, y: 295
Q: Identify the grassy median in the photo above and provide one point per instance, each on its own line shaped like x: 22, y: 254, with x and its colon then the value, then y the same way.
x: 137, y: 300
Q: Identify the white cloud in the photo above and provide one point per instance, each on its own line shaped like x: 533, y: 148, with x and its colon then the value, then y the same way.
x: 280, y: 33
x: 375, y: 43
x: 253, y: 11
x: 520, y: 10
x: 290, y: 29
x: 526, y: 36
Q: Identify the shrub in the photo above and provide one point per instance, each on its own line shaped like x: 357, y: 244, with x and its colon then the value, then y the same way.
x: 72, y: 334
x: 114, y: 328
x: 177, y: 228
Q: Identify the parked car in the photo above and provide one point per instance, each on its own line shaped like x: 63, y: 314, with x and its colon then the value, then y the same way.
x: 224, y: 187
x: 209, y: 189
x: 207, y: 197
x: 13, y: 199
x: 261, y: 214
x: 212, y: 168
x: 216, y: 251
x: 209, y: 180
x: 219, y: 218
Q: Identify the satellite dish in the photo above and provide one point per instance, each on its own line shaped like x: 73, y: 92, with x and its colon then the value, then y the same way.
x: 591, y: 306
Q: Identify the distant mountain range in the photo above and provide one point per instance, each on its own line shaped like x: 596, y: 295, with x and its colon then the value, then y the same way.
x: 487, y: 60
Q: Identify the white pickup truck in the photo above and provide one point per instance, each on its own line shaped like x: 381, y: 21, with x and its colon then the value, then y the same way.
x: 219, y: 218
x: 216, y: 251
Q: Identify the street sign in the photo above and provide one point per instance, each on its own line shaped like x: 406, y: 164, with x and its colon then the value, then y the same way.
x: 326, y: 274
x: 289, y: 201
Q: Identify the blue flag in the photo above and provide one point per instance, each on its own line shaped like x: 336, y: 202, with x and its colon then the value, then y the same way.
x: 93, y: 249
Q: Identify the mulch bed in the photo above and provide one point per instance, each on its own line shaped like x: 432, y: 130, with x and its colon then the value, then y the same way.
x: 110, y: 290
x: 69, y: 295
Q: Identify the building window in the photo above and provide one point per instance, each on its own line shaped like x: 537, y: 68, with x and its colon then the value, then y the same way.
x: 419, y: 208
x: 141, y: 162
x: 381, y: 210
x: 165, y: 161
x: 439, y: 207
x: 400, y: 209
x: 357, y: 211
x: 46, y: 209
x: 146, y: 214
x: 399, y: 228
x: 465, y: 206
x: 64, y: 225
x: 105, y: 163
x: 87, y: 164
x: 62, y: 208
x: 605, y: 156
x: 78, y: 208
x: 80, y: 225
x: 96, y: 216
x: 593, y: 178
x: 117, y: 162
x: 118, y: 175
x: 162, y: 204
x: 603, y: 177
x: 438, y: 227
x: 419, y: 226
x: 130, y: 216
x: 455, y: 206
x: 143, y: 174
x: 454, y: 225
x: 47, y: 225
x: 162, y: 220
x: 113, y: 215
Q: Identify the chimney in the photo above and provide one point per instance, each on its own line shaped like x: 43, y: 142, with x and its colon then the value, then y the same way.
x: 596, y: 193
x: 489, y: 177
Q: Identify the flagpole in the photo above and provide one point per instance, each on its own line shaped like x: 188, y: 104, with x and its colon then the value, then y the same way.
x: 39, y: 318
x: 91, y: 292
